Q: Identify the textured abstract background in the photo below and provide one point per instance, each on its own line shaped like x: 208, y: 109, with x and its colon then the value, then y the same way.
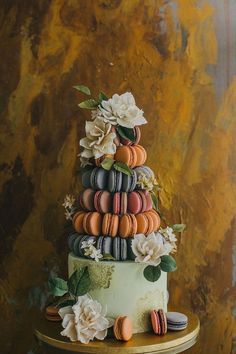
x: 178, y: 59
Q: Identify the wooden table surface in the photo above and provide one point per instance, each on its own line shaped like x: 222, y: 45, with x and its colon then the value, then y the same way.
x: 145, y: 343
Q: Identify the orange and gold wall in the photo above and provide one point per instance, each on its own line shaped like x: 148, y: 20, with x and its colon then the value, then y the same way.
x: 178, y: 58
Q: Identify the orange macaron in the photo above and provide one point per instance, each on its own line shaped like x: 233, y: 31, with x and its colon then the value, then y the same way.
x: 155, y: 218
x: 141, y: 154
x: 51, y: 314
x: 144, y: 223
x: 78, y: 221
x: 127, y: 226
x: 127, y: 155
x: 110, y: 224
x: 92, y: 223
x: 123, y: 328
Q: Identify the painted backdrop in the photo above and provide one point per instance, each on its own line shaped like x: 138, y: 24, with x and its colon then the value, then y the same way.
x: 178, y: 59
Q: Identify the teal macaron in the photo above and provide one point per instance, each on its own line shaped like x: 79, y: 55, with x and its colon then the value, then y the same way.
x: 99, y: 178
x: 114, y: 181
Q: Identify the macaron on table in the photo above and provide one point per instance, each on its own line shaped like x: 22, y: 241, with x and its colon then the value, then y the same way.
x: 120, y: 246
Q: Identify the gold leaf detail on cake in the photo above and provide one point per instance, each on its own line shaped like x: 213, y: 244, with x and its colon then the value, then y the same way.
x: 152, y: 300
x: 100, y: 273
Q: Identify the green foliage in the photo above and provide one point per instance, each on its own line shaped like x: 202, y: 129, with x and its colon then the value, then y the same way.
x: 178, y: 227
x: 168, y: 264
x: 122, y: 167
x: 152, y: 273
x: 108, y: 257
x: 83, y: 89
x: 57, y: 286
x: 154, y: 201
x: 65, y: 303
x: 126, y: 133
x: 107, y: 163
x: 102, y: 97
x: 79, y: 283
x: 89, y: 104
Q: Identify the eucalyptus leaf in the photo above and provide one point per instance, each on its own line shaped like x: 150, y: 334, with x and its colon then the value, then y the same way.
x: 126, y: 133
x: 152, y: 273
x: 89, y: 104
x: 168, y: 264
x: 178, y: 227
x: 108, y: 257
x: 122, y: 167
x: 107, y: 163
x: 83, y: 89
x: 57, y: 286
x: 102, y: 97
x: 66, y: 303
x: 154, y: 201
x: 79, y: 283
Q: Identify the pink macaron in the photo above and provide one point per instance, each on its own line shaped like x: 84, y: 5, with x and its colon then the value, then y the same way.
x: 139, y: 201
x: 103, y: 201
x: 86, y: 199
x: 120, y: 203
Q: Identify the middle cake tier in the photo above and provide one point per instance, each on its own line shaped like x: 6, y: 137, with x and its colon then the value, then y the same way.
x: 127, y: 225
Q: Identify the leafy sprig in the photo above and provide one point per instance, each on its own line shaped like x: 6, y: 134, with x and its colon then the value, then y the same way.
x: 90, y: 103
x: 78, y: 284
x: 153, y: 273
x: 108, y: 163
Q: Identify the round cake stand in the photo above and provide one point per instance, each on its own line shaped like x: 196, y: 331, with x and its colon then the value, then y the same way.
x: 145, y: 343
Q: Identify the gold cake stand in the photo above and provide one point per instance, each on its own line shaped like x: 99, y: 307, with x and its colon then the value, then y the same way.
x: 145, y: 343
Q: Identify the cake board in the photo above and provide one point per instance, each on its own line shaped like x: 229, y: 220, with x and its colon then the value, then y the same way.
x: 145, y: 343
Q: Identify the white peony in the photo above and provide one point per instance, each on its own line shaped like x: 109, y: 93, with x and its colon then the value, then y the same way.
x: 84, y: 321
x: 99, y: 140
x: 121, y: 110
x: 149, y: 249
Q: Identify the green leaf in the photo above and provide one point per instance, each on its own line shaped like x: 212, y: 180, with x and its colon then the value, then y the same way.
x: 126, y: 133
x: 102, y: 97
x: 154, y: 201
x: 152, y: 273
x: 83, y: 89
x: 178, y: 227
x: 107, y: 163
x: 79, y: 283
x: 168, y: 264
x: 108, y: 257
x: 122, y: 167
x: 66, y: 303
x: 89, y: 104
x: 57, y: 286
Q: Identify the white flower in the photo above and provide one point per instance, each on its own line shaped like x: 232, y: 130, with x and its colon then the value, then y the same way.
x: 84, y: 161
x: 121, y: 110
x: 68, y: 214
x: 149, y: 249
x: 99, y: 140
x: 148, y: 183
x: 91, y: 251
x: 68, y: 201
x: 169, y: 237
x: 85, y: 320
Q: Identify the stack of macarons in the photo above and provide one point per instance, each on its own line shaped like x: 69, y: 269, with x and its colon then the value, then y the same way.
x: 111, y: 224
x: 119, y: 203
x: 113, y: 208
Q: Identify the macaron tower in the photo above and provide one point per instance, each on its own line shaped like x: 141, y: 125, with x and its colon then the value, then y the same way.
x: 117, y: 233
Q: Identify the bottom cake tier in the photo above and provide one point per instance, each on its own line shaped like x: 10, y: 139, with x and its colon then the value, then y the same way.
x: 123, y: 290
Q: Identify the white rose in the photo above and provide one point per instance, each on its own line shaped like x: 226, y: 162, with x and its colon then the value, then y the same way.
x: 99, y: 139
x: 85, y: 320
x: 121, y: 110
x: 149, y: 249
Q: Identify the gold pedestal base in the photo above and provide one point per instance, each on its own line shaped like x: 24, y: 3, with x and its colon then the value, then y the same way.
x: 145, y: 343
